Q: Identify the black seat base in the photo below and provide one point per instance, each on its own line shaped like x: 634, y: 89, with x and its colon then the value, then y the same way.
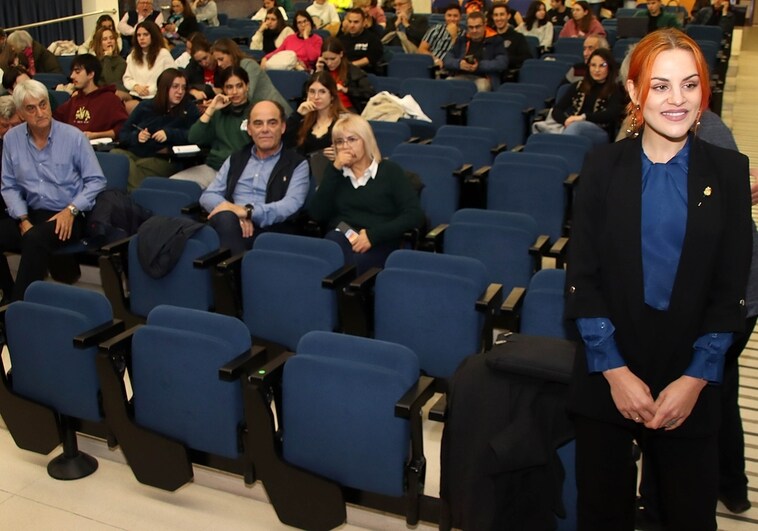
x: 65, y: 467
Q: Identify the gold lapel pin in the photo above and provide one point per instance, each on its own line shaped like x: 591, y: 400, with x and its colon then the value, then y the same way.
x: 706, y: 193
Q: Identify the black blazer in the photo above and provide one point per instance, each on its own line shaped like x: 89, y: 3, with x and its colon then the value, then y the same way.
x: 604, y: 272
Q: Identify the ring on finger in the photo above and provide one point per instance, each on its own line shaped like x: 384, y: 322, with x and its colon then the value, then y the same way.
x: 671, y: 423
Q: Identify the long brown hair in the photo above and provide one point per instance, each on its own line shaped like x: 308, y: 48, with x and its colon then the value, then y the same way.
x: 584, y: 23
x: 229, y: 47
x: 335, y: 107
x: 97, y: 42
x: 334, y: 45
x: 161, y: 103
x: 610, y: 84
x: 156, y: 43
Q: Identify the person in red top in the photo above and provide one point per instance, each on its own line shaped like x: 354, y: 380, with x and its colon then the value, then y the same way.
x: 353, y: 86
x: 305, y: 43
x: 97, y: 111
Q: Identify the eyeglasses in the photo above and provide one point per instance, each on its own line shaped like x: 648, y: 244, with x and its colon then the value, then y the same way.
x: 350, y: 141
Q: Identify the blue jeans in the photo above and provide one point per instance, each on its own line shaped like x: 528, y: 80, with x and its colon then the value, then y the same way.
x: 591, y: 130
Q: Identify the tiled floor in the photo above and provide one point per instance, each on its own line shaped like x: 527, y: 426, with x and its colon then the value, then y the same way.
x: 112, y: 499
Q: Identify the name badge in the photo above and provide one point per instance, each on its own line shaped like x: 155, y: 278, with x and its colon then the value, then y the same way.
x: 243, y: 125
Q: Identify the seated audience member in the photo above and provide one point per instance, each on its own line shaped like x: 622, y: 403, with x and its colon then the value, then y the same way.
x: 201, y: 70
x: 271, y: 33
x: 183, y: 59
x: 105, y: 48
x: 15, y: 75
x: 440, y: 38
x: 369, y: 23
x: 8, y: 118
x: 148, y: 58
x: 374, y: 197
x: 363, y: 47
x: 515, y: 43
x: 593, y: 106
x: 583, y: 22
x: 155, y: 126
x: 104, y: 21
x: 376, y: 13
x: 559, y: 14
x: 537, y: 24
x: 269, y: 4
x: 260, y: 188
x: 304, y: 43
x: 96, y: 111
x: 221, y: 126
x: 32, y: 55
x: 408, y: 26
x: 227, y: 53
x: 181, y: 22
x: 324, y: 15
x: 206, y: 11
x: 719, y: 13
x: 128, y: 24
x: 50, y: 175
x: 353, y: 86
x: 591, y: 43
x: 476, y: 57
x: 309, y: 128
x: 657, y: 18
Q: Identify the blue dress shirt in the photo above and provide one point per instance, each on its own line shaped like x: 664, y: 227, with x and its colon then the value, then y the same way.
x: 251, y: 189
x: 664, y: 222
x: 64, y: 172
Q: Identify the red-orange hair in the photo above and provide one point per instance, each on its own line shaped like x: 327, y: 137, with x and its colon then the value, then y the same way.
x: 646, y: 52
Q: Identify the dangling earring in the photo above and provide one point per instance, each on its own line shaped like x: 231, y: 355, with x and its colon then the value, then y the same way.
x: 633, y: 131
x: 697, y: 124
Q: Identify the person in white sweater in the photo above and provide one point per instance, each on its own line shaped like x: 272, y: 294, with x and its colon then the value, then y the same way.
x: 206, y: 11
x: 268, y: 4
x: 148, y: 59
x: 271, y: 33
x: 324, y: 16
x: 536, y: 24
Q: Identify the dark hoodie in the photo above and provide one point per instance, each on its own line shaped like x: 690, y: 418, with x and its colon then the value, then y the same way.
x: 100, y: 110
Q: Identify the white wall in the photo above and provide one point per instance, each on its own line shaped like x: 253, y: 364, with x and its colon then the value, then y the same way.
x: 96, y: 5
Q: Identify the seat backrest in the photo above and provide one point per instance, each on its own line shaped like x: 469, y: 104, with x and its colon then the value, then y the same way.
x: 431, y: 96
x: 185, y: 286
x: 161, y: 202
x: 427, y: 302
x: 189, y: 188
x: 505, y: 117
x: 115, y: 168
x: 46, y: 366
x: 542, y: 311
x: 704, y: 32
x: 536, y: 158
x: 533, y: 189
x: 177, y: 392
x: 570, y: 46
x: 475, y: 143
x: 339, y: 395
x: 536, y: 94
x: 411, y: 65
x: 289, y: 83
x: 389, y: 135
x: 534, y: 45
x: 621, y: 48
x: 572, y: 148
x: 392, y: 85
x: 463, y: 90
x: 547, y: 73
x: 282, y: 295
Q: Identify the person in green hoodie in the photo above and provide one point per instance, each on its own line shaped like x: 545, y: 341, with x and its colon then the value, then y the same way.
x: 222, y: 127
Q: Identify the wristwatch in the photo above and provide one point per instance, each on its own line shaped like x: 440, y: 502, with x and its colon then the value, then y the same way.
x: 74, y: 211
x: 249, y: 209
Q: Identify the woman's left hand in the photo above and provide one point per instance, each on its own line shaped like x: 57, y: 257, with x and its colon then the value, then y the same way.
x: 160, y: 136
x: 674, y: 404
x: 361, y: 244
x: 575, y: 118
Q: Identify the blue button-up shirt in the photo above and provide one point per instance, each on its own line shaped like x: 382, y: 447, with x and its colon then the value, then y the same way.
x: 64, y: 172
x: 251, y: 189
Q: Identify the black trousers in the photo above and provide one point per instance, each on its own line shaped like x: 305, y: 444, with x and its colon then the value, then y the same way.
x: 35, y: 247
x: 606, y: 473
x: 227, y: 226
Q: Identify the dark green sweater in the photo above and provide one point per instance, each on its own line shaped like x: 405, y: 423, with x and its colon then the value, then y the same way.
x: 386, y: 206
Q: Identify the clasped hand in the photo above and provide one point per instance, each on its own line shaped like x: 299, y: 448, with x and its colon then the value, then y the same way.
x: 634, y: 401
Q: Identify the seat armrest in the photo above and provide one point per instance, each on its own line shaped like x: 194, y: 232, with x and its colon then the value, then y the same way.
x: 514, y: 300
x: 212, y: 258
x: 243, y: 364
x: 339, y: 278
x: 528, y: 112
x: 434, y: 238
x: 119, y: 246
x: 192, y: 209
x: 97, y: 335
x: 438, y: 411
x: 272, y: 369
x: 571, y: 180
x: 518, y: 148
x: 490, y: 299
x: 541, y: 245
x: 481, y: 174
x: 558, y: 251
x: 500, y: 148
x: 464, y: 171
x: 415, y: 397
x: 119, y: 342
x: 366, y: 280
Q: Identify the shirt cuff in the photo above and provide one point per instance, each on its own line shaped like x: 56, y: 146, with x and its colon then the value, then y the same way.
x: 709, y: 353
x: 600, y: 344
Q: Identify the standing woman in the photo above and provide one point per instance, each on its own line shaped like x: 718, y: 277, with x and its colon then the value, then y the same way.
x: 148, y: 58
x: 659, y: 260
x: 537, y: 24
x: 353, y: 85
x: 583, y: 22
x: 592, y: 107
x: 271, y: 33
x: 309, y: 129
x: 305, y: 44
x: 373, y: 196
x: 156, y: 126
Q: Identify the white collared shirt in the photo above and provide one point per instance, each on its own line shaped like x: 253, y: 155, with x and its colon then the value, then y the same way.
x: 357, y: 182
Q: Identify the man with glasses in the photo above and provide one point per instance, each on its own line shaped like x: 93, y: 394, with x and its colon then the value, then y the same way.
x: 128, y: 23
x: 657, y: 17
x: 260, y: 188
x: 476, y: 57
x: 50, y: 175
x: 407, y: 28
x: 363, y: 47
x: 94, y: 110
